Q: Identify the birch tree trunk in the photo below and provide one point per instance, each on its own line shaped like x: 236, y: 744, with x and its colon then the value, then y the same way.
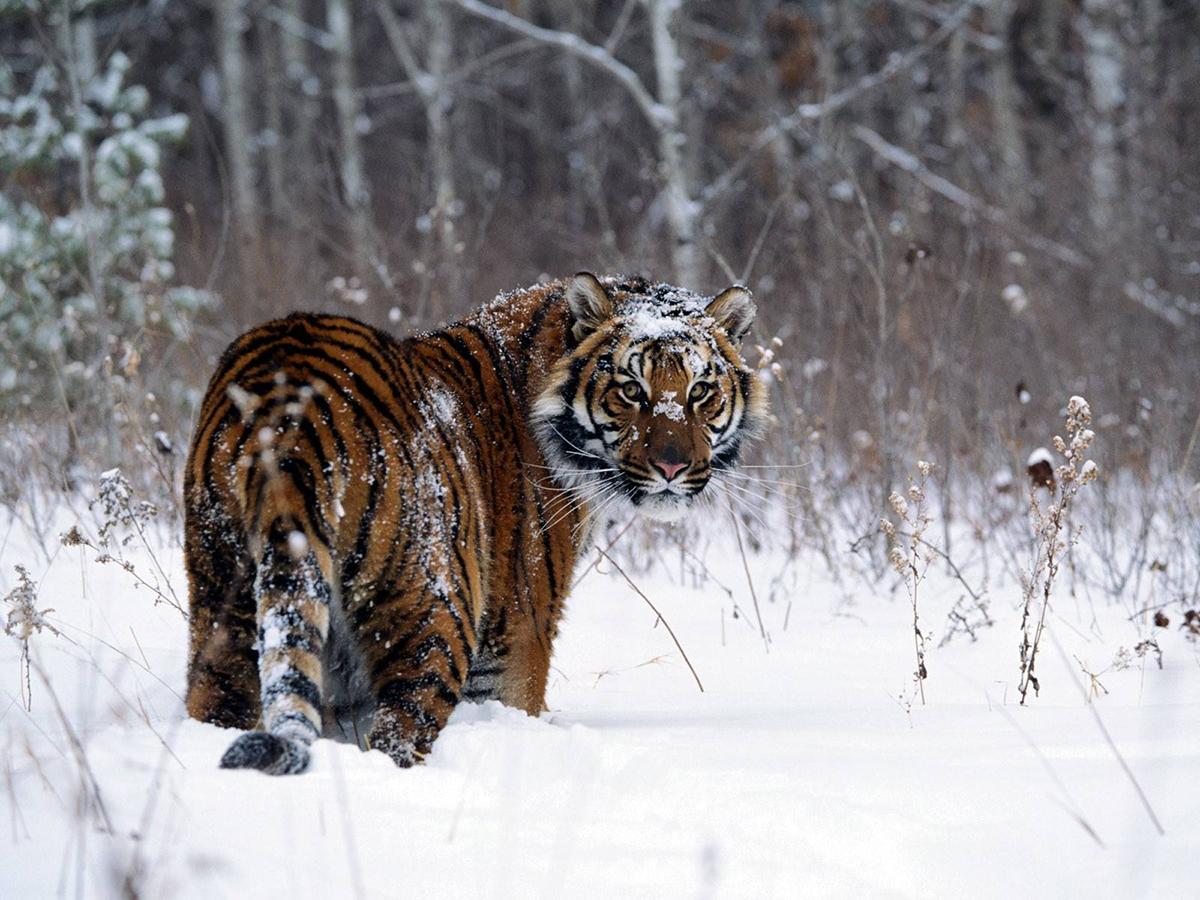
x: 663, y: 112
x: 1146, y: 81
x: 231, y: 23
x: 301, y: 110
x: 1014, y: 167
x: 346, y: 104
x: 1102, y: 64
x: 682, y: 209
x: 442, y: 273
x: 955, y: 134
x: 85, y: 46
x: 275, y: 81
x: 441, y: 152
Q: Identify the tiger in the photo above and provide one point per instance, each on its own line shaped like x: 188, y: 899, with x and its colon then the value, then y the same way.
x: 378, y: 529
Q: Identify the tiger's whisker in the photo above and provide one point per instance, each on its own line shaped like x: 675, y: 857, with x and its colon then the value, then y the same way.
x: 786, y: 507
x: 578, y: 449
x: 744, y: 505
x: 581, y: 497
x: 743, y: 477
x: 775, y: 495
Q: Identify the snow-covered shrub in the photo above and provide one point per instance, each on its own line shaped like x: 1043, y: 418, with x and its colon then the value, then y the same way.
x: 86, y: 244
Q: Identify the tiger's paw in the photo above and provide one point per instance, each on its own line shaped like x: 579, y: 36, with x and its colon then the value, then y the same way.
x: 266, y: 752
x: 389, y: 735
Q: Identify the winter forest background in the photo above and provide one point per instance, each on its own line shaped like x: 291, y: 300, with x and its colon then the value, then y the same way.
x: 934, y: 202
x: 953, y: 215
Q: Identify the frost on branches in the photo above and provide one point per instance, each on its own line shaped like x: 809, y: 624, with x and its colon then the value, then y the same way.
x: 85, y: 242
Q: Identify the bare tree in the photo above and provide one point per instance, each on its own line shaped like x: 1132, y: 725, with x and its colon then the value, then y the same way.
x: 682, y: 208
x: 1102, y: 61
x: 355, y: 192
x: 930, y: 191
x: 295, y: 36
x: 434, y: 91
x: 662, y: 113
x: 231, y: 23
x: 1002, y: 87
x: 274, y: 79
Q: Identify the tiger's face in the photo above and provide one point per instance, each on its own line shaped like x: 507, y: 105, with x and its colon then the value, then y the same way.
x: 654, y: 399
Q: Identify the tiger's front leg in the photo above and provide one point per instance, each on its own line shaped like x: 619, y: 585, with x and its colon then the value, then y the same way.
x: 512, y: 667
x: 417, y: 667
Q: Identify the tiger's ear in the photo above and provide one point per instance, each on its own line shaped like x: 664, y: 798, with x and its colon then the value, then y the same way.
x: 733, y: 309
x: 589, y: 303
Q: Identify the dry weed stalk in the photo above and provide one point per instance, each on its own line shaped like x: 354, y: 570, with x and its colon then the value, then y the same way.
x: 122, y: 520
x: 23, y: 621
x: 905, y: 555
x: 1053, y: 535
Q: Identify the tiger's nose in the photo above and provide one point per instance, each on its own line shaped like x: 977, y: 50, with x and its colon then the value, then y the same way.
x: 669, y: 469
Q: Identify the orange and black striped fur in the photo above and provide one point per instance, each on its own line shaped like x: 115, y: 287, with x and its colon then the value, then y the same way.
x: 377, y: 529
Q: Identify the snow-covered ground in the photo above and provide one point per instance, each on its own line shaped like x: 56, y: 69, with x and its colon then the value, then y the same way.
x: 798, y: 772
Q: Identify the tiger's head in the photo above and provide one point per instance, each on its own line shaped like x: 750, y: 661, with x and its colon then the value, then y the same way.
x: 652, y: 397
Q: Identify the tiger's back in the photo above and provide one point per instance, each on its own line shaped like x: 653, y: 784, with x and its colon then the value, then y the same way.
x: 328, y: 453
x: 374, y: 530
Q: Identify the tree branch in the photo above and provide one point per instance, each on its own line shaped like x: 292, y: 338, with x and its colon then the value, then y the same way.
x: 402, y: 48
x: 808, y: 112
x: 659, y: 116
x: 980, y: 39
x: 907, y: 162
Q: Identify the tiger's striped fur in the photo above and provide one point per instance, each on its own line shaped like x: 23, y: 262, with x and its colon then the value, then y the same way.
x: 376, y: 529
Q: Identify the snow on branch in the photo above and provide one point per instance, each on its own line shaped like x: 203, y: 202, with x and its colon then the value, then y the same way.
x: 660, y: 116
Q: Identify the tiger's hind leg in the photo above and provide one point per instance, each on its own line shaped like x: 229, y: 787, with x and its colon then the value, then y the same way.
x: 294, y: 596
x: 222, y: 677
x: 417, y: 677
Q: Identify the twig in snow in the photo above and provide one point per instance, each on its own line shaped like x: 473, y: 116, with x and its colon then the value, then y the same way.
x: 1112, y: 745
x: 601, y: 554
x: 737, y: 530
x: 667, y: 624
x: 77, y: 748
x: 1069, y: 804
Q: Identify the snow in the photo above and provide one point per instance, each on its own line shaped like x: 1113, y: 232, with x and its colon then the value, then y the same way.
x: 668, y: 406
x: 802, y: 771
x: 297, y: 544
x: 1015, y: 297
x: 813, y: 367
x: 646, y: 322
x: 1040, y: 455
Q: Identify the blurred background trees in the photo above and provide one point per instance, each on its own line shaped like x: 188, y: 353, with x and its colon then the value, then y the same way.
x: 953, y: 215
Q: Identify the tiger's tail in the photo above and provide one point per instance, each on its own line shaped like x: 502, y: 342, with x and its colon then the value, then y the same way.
x: 293, y: 594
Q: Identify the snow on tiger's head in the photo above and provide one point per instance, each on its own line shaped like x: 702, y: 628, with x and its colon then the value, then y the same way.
x: 653, y: 398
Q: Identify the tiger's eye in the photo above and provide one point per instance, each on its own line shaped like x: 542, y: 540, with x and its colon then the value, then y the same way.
x: 698, y: 392
x: 632, y: 391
